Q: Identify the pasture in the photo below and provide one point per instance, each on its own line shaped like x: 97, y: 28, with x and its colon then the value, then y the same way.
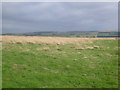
x: 56, y: 62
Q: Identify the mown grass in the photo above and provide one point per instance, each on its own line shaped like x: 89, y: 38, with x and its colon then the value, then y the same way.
x: 60, y: 66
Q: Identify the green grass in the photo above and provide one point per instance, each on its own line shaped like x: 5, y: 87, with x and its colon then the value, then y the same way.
x: 27, y: 66
x: 0, y: 69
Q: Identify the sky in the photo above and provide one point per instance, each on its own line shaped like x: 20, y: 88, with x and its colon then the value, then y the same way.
x: 0, y: 18
x: 20, y: 17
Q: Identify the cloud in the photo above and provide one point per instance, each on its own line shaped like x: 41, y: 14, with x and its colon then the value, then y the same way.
x: 60, y: 16
x: 0, y: 18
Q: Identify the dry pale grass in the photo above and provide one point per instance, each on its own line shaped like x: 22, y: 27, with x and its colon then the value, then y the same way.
x: 88, y: 47
x: 48, y: 40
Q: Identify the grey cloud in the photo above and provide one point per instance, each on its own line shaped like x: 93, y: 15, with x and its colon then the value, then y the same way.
x: 0, y: 18
x: 31, y: 17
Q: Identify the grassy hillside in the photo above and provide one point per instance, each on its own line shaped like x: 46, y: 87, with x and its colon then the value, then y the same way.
x: 72, y: 65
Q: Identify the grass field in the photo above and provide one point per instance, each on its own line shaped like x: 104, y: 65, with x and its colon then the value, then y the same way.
x: 59, y: 62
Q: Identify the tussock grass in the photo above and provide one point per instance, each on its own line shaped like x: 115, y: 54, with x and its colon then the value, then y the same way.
x: 46, y: 64
x: 48, y: 40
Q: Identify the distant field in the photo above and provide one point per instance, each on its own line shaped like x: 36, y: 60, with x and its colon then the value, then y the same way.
x: 49, y: 40
x: 56, y: 62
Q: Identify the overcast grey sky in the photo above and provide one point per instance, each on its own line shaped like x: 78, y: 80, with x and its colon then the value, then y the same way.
x: 59, y: 16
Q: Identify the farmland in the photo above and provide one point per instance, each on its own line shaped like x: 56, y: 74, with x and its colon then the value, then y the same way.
x: 59, y: 62
x: 69, y: 34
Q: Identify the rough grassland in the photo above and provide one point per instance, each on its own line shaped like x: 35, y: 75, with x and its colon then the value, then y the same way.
x: 0, y: 69
x: 80, y: 64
